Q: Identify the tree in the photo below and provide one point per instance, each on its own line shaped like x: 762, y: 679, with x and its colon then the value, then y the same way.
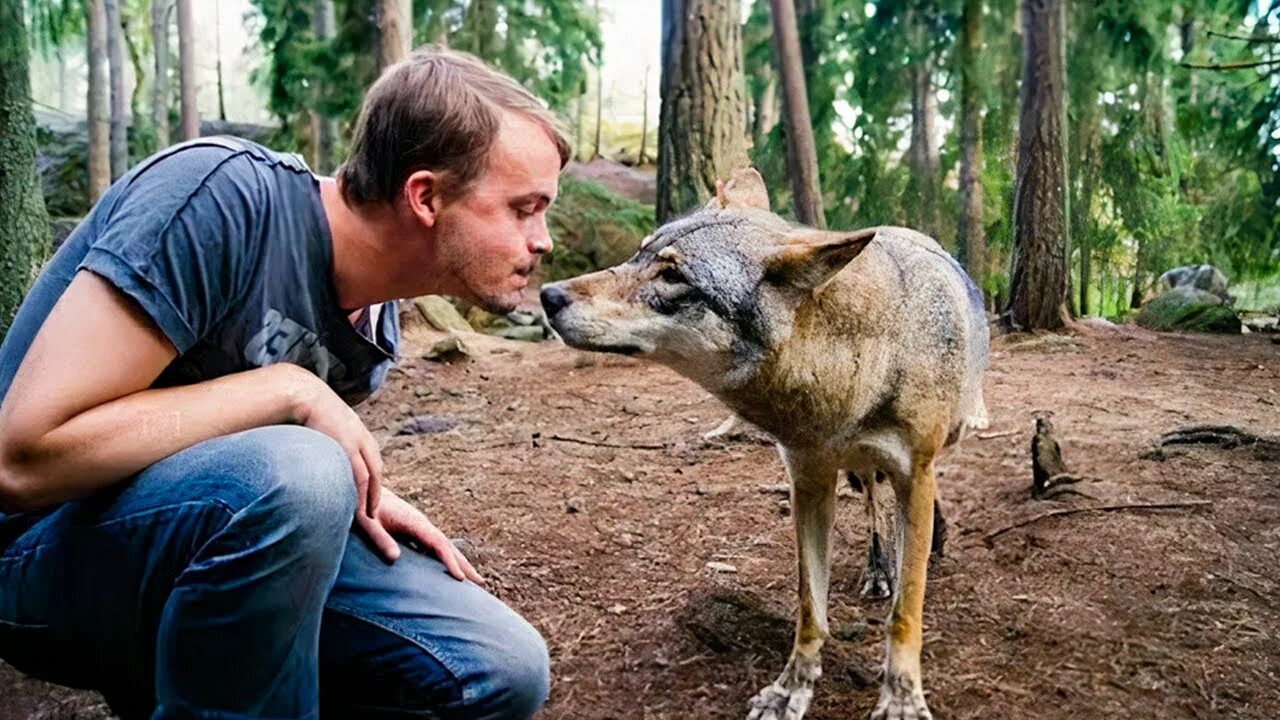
x: 922, y: 154
x: 599, y: 96
x: 24, y: 227
x: 395, y: 31
x: 160, y: 84
x: 324, y: 128
x: 802, y: 156
x: 702, y: 133
x: 98, y: 116
x: 1038, y: 289
x: 115, y: 62
x: 187, y: 71
x: 973, y: 241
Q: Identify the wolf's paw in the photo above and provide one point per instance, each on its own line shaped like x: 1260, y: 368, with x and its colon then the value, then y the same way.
x: 778, y: 703
x: 877, y: 586
x: 789, y: 696
x: 900, y: 699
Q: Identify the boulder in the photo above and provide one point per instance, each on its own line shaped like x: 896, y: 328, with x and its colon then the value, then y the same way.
x: 1189, y: 309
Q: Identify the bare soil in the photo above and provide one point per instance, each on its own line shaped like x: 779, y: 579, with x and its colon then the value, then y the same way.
x: 596, y: 505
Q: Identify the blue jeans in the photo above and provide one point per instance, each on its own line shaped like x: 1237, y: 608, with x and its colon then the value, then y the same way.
x: 225, y: 582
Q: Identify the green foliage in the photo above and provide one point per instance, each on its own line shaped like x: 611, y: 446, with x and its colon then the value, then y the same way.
x: 593, y: 228
x: 1191, y: 311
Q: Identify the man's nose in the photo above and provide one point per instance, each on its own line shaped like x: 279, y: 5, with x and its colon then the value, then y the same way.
x: 554, y: 299
x: 540, y: 243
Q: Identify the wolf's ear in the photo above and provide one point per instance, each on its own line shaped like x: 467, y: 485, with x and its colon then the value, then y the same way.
x: 813, y: 257
x: 744, y: 190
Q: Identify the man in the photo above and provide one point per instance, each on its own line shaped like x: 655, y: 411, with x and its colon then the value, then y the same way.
x: 178, y: 464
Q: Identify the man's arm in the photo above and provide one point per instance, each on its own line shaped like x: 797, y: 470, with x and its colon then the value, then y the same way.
x: 80, y: 416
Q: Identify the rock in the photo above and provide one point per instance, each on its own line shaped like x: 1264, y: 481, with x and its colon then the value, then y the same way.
x: 405, y: 408
x: 450, y: 349
x: 1206, y: 278
x: 441, y: 313
x: 573, y: 505
x: 427, y: 425
x: 851, y: 631
x: 527, y: 333
x: 1188, y: 309
x: 721, y: 567
x: 525, y: 317
x: 478, y: 317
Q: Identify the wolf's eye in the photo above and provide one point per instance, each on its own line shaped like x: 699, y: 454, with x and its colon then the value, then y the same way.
x: 672, y: 275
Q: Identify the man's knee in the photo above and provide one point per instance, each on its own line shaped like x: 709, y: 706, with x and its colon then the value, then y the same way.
x: 516, y: 683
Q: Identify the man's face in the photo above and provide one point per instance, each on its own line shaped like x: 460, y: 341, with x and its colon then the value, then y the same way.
x: 490, y: 239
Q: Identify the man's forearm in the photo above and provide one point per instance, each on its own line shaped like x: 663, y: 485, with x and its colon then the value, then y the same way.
x: 115, y: 440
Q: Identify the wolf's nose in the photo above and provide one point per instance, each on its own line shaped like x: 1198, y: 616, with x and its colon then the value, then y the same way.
x: 554, y: 299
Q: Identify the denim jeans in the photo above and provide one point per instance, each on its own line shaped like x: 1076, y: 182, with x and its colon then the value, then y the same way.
x: 225, y: 582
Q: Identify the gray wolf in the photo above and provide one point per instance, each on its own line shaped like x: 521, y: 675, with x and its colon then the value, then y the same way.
x: 861, y: 352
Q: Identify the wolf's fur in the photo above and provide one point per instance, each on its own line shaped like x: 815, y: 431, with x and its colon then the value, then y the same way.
x: 860, y: 352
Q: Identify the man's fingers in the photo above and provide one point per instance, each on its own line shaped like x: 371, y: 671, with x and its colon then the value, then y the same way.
x: 373, y: 461
x: 445, y: 551
x: 360, y: 472
x: 381, y: 539
x: 467, y: 568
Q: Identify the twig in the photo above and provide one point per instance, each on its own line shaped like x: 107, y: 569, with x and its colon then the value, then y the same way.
x: 1231, y: 66
x: 1246, y: 38
x: 994, y: 435
x: 1100, y: 508
x: 595, y: 443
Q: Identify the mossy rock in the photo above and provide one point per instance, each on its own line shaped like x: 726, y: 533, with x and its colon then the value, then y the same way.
x: 1186, y: 309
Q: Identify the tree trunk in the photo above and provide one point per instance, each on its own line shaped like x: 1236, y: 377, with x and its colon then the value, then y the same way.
x: 702, y: 129
x: 187, y: 71
x: 1038, y: 284
x: 481, y: 20
x: 395, y: 31
x: 160, y: 84
x: 135, y: 60
x: 922, y: 154
x: 802, y: 154
x: 217, y: 52
x: 99, y: 113
x: 24, y: 226
x: 973, y: 241
x: 766, y: 109
x: 64, y: 83
x: 115, y: 63
x: 644, y: 121
x: 324, y: 129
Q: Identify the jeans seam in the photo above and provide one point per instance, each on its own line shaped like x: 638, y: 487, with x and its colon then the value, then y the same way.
x: 216, y: 502
x: 446, y: 661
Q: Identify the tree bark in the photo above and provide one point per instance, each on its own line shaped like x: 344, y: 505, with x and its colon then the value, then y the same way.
x: 395, y: 31
x: 1038, y: 283
x: 802, y: 154
x: 99, y: 113
x: 160, y: 84
x: 187, y: 71
x: 115, y: 62
x: 922, y: 154
x: 644, y: 118
x: 973, y: 241
x: 599, y: 93
x: 324, y: 129
x: 702, y: 132
x: 24, y: 226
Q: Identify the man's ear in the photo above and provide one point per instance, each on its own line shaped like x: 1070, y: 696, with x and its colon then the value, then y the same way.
x: 422, y: 195
x: 814, y: 256
x: 743, y: 190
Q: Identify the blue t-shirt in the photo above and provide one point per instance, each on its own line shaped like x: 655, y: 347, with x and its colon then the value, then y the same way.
x: 225, y: 245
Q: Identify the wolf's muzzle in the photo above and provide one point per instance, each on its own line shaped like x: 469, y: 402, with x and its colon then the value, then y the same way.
x: 554, y: 299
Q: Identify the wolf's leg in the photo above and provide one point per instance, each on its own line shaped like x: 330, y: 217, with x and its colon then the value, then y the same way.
x: 901, y: 695
x: 813, y: 494
x: 877, y: 583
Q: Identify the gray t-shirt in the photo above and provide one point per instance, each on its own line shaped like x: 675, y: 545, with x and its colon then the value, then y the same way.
x: 225, y: 245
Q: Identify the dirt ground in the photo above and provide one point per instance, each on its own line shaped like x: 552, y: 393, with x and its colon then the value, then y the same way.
x: 596, y: 507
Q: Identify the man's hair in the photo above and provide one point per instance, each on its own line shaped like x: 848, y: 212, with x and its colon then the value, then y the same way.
x: 437, y: 110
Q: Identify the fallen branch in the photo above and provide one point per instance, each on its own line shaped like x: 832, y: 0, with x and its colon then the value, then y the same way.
x: 994, y: 435
x: 1231, y: 66
x: 1246, y: 38
x: 596, y: 443
x: 1097, y: 508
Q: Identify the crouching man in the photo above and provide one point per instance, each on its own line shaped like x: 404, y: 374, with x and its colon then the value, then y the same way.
x: 194, y: 519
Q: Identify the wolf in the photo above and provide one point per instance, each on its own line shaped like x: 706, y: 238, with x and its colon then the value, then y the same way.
x: 861, y: 352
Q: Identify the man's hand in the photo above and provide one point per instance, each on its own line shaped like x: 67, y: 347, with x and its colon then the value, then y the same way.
x: 320, y: 409
x: 399, y: 517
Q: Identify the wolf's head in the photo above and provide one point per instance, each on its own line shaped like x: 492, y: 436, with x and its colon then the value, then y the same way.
x: 706, y: 294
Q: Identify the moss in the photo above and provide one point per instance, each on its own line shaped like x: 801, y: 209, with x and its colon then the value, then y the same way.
x: 593, y: 228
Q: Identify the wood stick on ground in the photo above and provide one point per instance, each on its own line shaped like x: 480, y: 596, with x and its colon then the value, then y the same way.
x: 1096, y: 508
x: 596, y: 443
